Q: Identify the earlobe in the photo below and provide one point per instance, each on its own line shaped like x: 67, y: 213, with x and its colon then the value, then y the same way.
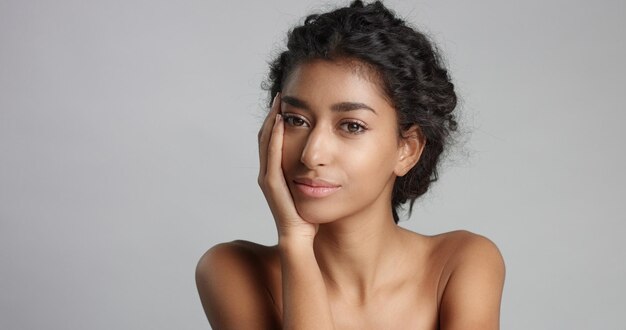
x: 411, y: 146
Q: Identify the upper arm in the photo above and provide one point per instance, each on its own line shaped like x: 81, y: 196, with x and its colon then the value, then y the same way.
x: 472, y: 296
x: 233, y: 290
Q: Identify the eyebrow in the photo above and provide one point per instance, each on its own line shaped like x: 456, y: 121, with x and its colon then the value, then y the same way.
x: 337, y: 107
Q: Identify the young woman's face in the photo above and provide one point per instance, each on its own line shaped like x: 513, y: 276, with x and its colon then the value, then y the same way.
x: 341, y: 147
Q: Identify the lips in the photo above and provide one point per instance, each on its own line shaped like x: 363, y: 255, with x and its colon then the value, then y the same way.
x: 315, y: 188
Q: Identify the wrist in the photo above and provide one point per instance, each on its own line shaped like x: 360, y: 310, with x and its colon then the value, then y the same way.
x: 295, y: 242
x: 296, y: 233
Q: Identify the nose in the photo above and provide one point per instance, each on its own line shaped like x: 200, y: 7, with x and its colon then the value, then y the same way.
x: 316, y: 151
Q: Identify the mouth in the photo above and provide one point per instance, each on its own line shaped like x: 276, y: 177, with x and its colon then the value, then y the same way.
x: 315, y: 188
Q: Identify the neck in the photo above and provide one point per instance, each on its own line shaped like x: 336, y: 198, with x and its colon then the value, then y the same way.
x: 357, y: 255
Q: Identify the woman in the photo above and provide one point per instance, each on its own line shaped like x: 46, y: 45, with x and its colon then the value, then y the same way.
x: 361, y: 111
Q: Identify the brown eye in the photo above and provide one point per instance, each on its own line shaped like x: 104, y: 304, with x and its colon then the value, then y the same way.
x: 294, y: 121
x: 353, y: 127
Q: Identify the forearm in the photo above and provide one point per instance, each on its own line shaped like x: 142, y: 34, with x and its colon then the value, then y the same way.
x: 305, y: 300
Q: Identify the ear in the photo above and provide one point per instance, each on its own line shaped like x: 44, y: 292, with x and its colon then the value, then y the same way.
x: 410, y: 149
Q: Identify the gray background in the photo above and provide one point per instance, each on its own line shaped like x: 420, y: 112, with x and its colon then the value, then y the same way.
x: 128, y: 147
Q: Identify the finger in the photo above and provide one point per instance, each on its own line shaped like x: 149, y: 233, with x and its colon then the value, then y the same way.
x: 275, y: 148
x: 268, y: 122
x: 265, y: 135
x: 275, y: 177
x: 269, y: 119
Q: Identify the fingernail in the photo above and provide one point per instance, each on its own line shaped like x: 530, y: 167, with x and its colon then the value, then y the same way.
x: 278, y: 117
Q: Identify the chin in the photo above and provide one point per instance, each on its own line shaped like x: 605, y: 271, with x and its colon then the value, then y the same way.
x: 318, y: 214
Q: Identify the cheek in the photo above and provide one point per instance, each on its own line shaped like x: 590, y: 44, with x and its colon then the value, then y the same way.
x: 372, y: 158
x: 291, y: 151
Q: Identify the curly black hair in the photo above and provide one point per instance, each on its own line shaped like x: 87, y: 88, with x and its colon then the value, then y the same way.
x: 410, y: 71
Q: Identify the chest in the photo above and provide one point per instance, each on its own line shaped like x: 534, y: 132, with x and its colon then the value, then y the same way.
x: 412, y: 308
x: 410, y: 302
x: 413, y: 305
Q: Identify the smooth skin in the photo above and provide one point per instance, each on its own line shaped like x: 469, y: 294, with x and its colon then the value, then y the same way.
x: 341, y: 262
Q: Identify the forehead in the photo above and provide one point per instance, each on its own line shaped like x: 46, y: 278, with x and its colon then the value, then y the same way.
x: 325, y: 81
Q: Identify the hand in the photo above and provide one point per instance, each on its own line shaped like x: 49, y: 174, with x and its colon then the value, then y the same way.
x: 272, y: 180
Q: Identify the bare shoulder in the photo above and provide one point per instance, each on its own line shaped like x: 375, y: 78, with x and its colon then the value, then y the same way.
x: 475, y: 278
x: 466, y: 247
x: 232, y: 280
x: 237, y: 248
x: 232, y: 257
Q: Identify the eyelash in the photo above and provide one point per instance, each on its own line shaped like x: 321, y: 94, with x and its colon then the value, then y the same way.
x: 361, y: 127
x: 289, y: 120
